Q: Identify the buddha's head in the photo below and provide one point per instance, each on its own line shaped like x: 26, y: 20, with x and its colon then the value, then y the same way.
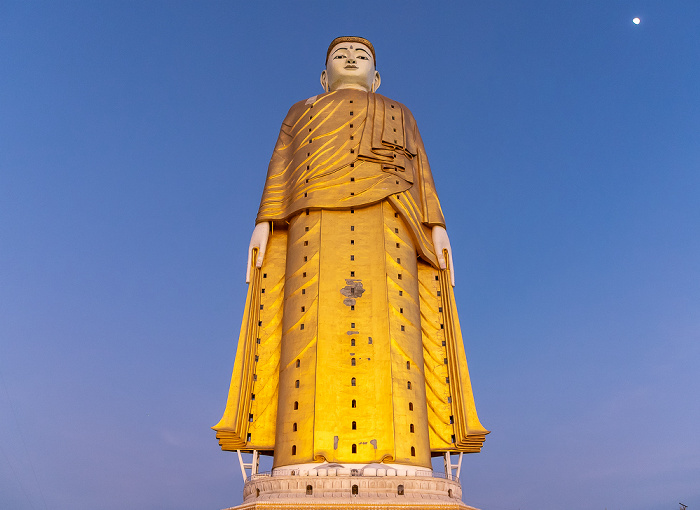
x: 350, y: 64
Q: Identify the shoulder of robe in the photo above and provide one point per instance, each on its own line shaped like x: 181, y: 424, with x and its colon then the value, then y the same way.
x: 408, y: 116
x: 299, y: 108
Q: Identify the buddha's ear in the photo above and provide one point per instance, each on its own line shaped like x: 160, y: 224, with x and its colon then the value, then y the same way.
x: 324, y: 80
x: 376, y: 82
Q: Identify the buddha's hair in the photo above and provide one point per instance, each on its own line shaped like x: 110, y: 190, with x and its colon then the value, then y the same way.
x: 351, y: 38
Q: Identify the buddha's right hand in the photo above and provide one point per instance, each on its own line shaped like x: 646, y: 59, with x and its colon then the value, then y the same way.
x: 258, y: 240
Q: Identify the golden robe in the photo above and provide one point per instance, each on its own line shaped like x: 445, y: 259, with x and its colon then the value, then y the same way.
x: 350, y: 348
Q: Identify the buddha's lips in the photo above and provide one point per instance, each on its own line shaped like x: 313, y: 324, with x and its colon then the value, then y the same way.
x: 351, y: 66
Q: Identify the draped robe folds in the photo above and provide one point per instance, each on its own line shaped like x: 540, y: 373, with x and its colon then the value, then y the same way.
x: 349, y: 190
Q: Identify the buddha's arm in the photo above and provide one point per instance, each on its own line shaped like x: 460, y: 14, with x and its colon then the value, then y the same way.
x: 441, y: 242
x: 258, y: 240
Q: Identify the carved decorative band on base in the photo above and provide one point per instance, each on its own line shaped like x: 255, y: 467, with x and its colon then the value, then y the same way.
x: 351, y: 492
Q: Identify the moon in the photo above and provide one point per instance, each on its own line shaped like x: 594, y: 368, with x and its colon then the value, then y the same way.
x: 636, y: 21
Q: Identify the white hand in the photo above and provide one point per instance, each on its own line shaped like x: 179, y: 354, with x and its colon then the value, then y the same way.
x: 442, y: 242
x: 258, y: 240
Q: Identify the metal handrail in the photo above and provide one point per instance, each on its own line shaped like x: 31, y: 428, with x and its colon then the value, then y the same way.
x: 354, y: 472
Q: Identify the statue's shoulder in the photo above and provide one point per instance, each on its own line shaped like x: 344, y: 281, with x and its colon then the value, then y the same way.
x: 299, y: 108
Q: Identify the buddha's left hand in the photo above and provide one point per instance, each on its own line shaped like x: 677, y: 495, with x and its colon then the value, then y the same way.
x: 442, y: 242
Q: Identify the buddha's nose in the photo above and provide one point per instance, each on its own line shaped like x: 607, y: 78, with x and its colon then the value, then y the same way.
x: 351, y: 61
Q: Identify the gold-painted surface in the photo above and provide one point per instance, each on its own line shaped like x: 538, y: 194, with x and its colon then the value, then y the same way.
x: 255, y: 380
x: 369, y: 250
x: 349, y: 149
x: 352, y: 201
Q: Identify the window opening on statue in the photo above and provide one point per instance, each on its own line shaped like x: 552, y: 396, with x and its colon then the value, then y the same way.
x: 306, y: 259
x: 403, y: 328
x: 454, y: 439
x: 411, y: 428
x: 447, y: 380
x: 354, y: 448
x: 452, y: 420
x: 354, y: 490
x: 352, y: 274
x: 250, y: 417
x: 369, y: 340
x: 294, y: 427
x: 398, y: 260
x: 352, y: 241
x: 408, y: 385
x: 398, y: 245
x: 413, y: 451
x: 438, y: 293
x: 298, y: 364
x: 309, y: 490
x: 400, y: 293
x: 352, y: 325
x: 306, y: 229
x: 296, y: 405
x: 353, y: 382
x: 352, y: 342
x: 410, y: 406
x: 400, y: 310
x: 294, y: 449
x: 303, y: 308
x: 449, y: 492
x: 248, y: 439
x: 354, y: 425
x: 303, y: 291
x: 400, y: 276
x: 408, y: 365
x: 306, y: 243
x: 352, y: 362
x: 296, y: 383
x: 445, y: 361
x: 354, y: 404
x: 352, y: 257
x: 400, y: 490
x: 352, y: 307
x: 252, y: 396
x: 301, y: 327
x: 352, y: 228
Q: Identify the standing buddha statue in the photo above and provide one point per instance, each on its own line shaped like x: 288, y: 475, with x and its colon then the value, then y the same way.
x: 350, y: 350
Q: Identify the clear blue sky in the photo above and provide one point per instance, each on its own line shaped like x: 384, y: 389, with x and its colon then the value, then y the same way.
x: 134, y: 142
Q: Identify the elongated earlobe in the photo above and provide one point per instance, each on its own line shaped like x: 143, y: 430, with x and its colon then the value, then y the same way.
x: 376, y: 82
x: 324, y: 80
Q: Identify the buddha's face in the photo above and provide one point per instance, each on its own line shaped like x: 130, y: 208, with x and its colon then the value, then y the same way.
x: 350, y: 66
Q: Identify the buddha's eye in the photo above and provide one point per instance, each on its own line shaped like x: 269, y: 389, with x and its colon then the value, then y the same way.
x: 339, y: 56
x: 362, y: 57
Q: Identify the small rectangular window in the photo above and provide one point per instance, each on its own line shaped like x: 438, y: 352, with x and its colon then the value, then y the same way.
x: 352, y: 274
x: 399, y: 276
x: 398, y: 260
x: 400, y: 293
x: 303, y: 291
x: 352, y: 241
x: 306, y: 259
x: 352, y: 307
x: 306, y: 243
x: 352, y: 228
x: 352, y: 257
x: 398, y: 245
x: 301, y: 327
x: 403, y: 328
x: 438, y: 293
x: 352, y: 325
x: 303, y: 274
x: 396, y: 230
x: 306, y: 229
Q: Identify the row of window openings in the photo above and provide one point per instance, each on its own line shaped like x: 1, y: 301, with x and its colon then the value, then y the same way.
x: 353, y: 404
x: 353, y: 425
x: 354, y: 450
x: 353, y: 382
x: 355, y: 490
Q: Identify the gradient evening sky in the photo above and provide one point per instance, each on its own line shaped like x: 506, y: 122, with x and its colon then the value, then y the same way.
x: 565, y: 143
